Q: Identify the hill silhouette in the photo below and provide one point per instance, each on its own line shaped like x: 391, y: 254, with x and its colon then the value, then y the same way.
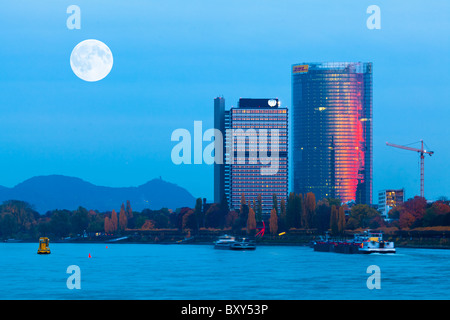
x: 52, y: 192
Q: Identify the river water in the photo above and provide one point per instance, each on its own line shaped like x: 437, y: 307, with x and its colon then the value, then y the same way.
x: 197, y: 272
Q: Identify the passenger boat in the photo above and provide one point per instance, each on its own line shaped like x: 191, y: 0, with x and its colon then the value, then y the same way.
x: 43, y: 246
x: 244, y: 244
x: 230, y: 243
x: 224, y: 242
x: 367, y: 242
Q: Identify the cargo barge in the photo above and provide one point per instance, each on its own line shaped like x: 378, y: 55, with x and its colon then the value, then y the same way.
x: 367, y: 242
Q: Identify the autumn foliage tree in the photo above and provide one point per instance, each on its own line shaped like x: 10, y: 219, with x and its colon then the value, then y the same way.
x: 251, y: 222
x: 275, y: 202
x: 341, y: 220
x: 410, y: 212
x: 231, y: 219
x: 243, y: 203
x: 111, y: 223
x: 108, y: 226
x: 114, y: 221
x: 416, y: 206
x: 273, y: 222
x: 361, y: 216
x: 406, y: 219
x: 437, y: 215
x: 123, y: 221
x: 310, y: 207
x: 189, y: 220
x: 17, y: 217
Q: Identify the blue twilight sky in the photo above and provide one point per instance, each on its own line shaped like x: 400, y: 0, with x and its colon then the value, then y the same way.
x: 173, y: 57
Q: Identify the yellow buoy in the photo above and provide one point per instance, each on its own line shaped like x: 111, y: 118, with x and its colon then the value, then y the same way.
x: 43, y: 246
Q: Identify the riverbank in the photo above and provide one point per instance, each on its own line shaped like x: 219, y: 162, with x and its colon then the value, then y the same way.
x: 264, y: 243
x: 431, y: 239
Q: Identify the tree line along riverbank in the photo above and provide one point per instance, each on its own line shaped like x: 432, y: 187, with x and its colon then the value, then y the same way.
x: 298, y: 221
x: 298, y: 237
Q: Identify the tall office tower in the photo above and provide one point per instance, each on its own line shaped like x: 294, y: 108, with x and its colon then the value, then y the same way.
x: 219, y: 168
x: 256, y: 152
x: 332, y: 130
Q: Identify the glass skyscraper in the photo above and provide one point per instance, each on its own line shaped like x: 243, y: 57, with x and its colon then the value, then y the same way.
x: 256, y: 152
x: 332, y: 130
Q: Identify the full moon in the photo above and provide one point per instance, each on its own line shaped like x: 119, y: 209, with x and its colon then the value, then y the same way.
x: 91, y: 60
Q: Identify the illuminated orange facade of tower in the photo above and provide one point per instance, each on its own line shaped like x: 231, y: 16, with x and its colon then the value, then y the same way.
x: 332, y: 130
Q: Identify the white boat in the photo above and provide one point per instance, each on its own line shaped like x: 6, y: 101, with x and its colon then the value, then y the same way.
x: 224, y: 242
x: 244, y: 244
x: 374, y: 243
x: 367, y: 242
